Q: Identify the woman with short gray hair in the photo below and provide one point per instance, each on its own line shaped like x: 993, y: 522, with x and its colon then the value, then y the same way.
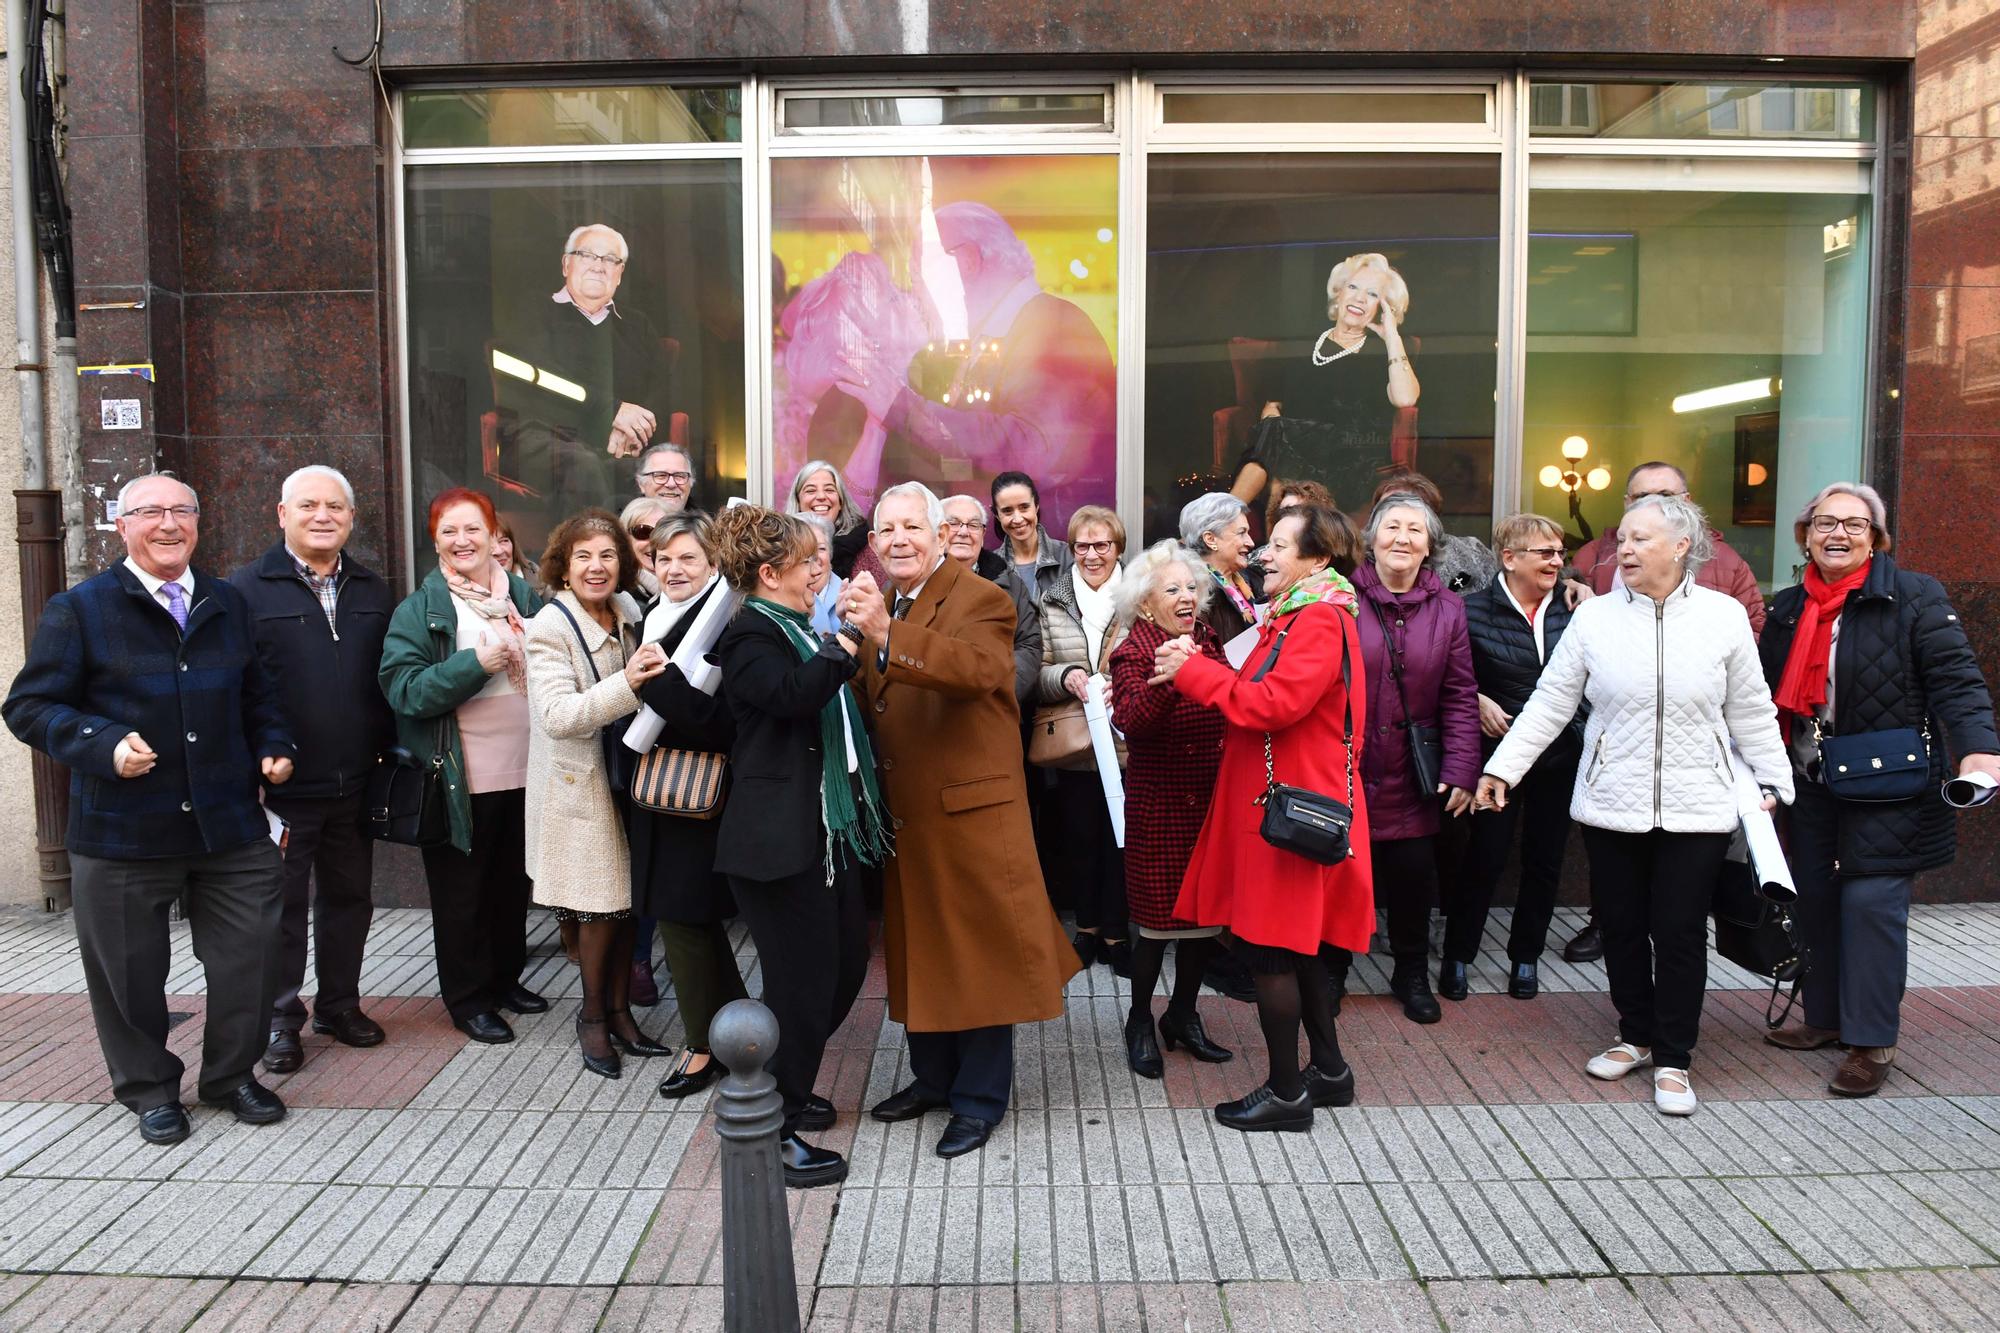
x: 1216, y: 527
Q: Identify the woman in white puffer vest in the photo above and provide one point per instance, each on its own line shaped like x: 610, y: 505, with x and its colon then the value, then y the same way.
x: 1670, y: 672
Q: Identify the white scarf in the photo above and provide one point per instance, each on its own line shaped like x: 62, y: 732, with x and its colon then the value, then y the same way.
x: 661, y: 620
x: 1095, y: 606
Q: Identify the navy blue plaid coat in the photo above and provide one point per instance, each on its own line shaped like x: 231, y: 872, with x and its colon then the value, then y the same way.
x: 108, y: 660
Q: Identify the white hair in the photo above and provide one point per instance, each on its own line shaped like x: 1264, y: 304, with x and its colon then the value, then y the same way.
x: 125, y: 491
x: 1433, y: 525
x: 1208, y: 513
x: 819, y: 523
x: 635, y: 510
x: 624, y: 250
x: 1142, y: 575
x: 1685, y: 521
x: 1000, y: 249
x: 933, y: 507
x: 973, y: 500
x: 315, y: 470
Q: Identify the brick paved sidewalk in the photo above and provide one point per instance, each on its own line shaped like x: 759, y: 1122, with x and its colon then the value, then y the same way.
x: 1482, y: 1181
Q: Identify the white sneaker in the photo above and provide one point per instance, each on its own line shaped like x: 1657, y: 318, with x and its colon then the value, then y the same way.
x: 1619, y: 1061
x: 1667, y: 1098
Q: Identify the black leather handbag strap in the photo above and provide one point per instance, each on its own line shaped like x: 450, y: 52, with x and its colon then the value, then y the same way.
x: 582, y: 642
x: 1346, y: 714
x: 1395, y: 661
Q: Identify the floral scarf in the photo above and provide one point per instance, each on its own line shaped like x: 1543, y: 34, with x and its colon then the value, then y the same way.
x: 1328, y: 586
x: 1244, y: 606
x: 494, y: 603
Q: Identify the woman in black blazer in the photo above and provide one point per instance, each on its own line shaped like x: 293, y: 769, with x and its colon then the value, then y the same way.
x: 804, y: 811
x: 673, y: 857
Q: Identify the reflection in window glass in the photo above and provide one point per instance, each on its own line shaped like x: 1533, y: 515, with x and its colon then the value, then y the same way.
x: 945, y: 319
x: 1704, y: 110
x: 538, y: 117
x: 1280, y: 107
x: 814, y: 111
x: 1721, y: 331
x: 1241, y: 248
x: 539, y: 360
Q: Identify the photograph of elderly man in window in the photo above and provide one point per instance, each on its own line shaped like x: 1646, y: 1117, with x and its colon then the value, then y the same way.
x: 580, y: 383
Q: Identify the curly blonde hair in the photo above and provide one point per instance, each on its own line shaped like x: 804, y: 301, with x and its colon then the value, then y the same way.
x: 1395, y: 292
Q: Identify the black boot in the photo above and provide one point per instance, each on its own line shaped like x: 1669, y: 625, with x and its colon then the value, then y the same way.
x: 1410, y: 985
x: 1188, y: 1032
x: 1451, y: 981
x: 1337, y: 962
x: 1142, y: 1047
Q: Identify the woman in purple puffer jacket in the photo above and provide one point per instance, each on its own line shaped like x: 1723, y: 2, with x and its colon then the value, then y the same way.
x: 1419, y: 660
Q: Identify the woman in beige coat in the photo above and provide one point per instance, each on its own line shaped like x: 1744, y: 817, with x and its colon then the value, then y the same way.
x: 584, y: 671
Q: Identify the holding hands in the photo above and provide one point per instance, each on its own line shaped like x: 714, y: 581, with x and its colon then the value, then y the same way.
x: 862, y: 606
x: 1492, y: 794
x: 1169, y: 658
x: 645, y: 664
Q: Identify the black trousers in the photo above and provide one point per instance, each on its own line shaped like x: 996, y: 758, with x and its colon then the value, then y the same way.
x: 1653, y: 891
x: 1406, y: 886
x: 1086, y: 853
x: 120, y: 910
x: 479, y: 906
x: 329, y: 863
x: 973, y: 1069
x: 812, y: 943
x: 1539, y: 807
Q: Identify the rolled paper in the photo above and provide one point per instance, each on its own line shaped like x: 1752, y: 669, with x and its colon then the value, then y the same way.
x: 1969, y: 792
x: 691, y: 656
x: 1760, y: 832
x: 1104, y: 746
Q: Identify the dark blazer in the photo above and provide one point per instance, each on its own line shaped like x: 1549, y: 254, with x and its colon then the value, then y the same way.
x: 771, y: 827
x: 108, y: 660
x: 1902, y: 660
x: 324, y: 675
x: 673, y: 858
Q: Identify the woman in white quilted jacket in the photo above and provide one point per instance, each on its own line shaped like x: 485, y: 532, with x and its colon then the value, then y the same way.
x: 1671, y: 674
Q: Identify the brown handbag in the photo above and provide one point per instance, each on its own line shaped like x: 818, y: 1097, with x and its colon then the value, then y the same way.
x: 688, y: 783
x: 1059, y: 737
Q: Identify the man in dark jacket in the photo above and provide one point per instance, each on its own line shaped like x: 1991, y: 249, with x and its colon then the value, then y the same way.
x: 145, y: 681
x: 319, y: 618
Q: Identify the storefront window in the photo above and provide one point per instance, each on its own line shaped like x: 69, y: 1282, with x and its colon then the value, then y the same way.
x: 539, y: 117
x: 1683, y: 318
x: 1241, y: 326
x: 563, y: 316
x: 1703, y: 109
x: 944, y: 319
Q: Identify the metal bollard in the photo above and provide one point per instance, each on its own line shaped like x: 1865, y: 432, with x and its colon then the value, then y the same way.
x: 760, y: 1292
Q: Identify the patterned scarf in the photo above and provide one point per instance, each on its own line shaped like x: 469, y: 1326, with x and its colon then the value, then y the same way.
x: 1328, y: 586
x: 850, y: 803
x: 493, y: 604
x: 1244, y: 606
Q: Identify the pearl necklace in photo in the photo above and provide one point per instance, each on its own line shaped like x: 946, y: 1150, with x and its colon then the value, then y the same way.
x: 1320, y: 360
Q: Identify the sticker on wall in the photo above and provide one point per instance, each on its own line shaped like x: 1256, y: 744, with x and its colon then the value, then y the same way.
x: 119, y: 414
x: 143, y: 369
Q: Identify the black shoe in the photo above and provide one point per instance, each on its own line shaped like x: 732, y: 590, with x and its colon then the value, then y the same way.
x: 164, y: 1124
x: 350, y: 1027
x: 1226, y: 975
x: 1336, y: 977
x: 604, y: 1066
x: 1263, y: 1109
x: 906, y: 1105
x: 1587, y: 947
x: 284, y: 1054
x: 963, y: 1134
x: 523, y: 1001
x: 1451, y: 981
x: 681, y: 1083
x: 1142, y: 1047
x: 817, y: 1115
x: 485, y: 1026
x: 1330, y: 1089
x: 1190, y: 1033
x: 252, y: 1103
x: 1524, y: 983
x: 643, y: 1046
x: 1118, y: 954
x: 806, y: 1166
x: 1088, y: 947
x: 1413, y: 988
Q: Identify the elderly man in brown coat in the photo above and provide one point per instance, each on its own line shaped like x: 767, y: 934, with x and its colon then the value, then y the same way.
x: 973, y: 947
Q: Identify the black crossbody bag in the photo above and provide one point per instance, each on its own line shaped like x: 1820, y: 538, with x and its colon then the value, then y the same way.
x: 1296, y: 819
x: 1426, y: 742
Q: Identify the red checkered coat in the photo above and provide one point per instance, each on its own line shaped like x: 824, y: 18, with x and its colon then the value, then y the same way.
x: 1173, y: 746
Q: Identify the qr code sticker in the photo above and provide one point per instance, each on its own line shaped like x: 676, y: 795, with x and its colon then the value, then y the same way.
x: 120, y: 413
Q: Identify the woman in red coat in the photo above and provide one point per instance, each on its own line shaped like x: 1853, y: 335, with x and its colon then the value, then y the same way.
x: 1173, y: 746
x: 1309, y: 699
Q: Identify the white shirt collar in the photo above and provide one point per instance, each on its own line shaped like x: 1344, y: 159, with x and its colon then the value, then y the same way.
x: 153, y: 585
x: 918, y: 591
x: 610, y: 307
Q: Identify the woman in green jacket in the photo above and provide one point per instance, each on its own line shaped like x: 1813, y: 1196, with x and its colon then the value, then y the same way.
x: 455, y: 673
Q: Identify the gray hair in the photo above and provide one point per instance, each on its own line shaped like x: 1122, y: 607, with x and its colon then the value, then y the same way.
x: 985, y: 518
x: 668, y: 447
x: 624, y: 250
x: 125, y: 491
x: 1878, y: 513
x: 1142, y: 574
x: 1433, y: 525
x: 848, y: 516
x: 820, y: 523
x: 314, y: 470
x: 933, y: 507
x: 1208, y: 513
x: 1685, y: 520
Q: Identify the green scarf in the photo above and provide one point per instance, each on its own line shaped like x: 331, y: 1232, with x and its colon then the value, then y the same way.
x: 850, y: 804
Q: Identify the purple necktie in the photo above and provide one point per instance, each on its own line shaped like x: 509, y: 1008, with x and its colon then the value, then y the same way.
x: 177, y: 605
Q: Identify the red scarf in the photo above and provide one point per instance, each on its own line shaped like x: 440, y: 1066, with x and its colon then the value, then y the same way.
x: 1802, y: 689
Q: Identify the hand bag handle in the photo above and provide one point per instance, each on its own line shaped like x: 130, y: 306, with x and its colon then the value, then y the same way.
x: 1346, y: 716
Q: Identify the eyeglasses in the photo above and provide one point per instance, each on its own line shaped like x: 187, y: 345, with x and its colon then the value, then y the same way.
x: 154, y: 513
x: 641, y: 531
x: 670, y: 478
x: 1539, y: 552
x: 969, y: 524
x: 592, y: 257
x: 1094, y: 548
x: 1853, y: 527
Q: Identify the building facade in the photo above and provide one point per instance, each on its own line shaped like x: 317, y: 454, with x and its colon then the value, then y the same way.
x: 1760, y: 240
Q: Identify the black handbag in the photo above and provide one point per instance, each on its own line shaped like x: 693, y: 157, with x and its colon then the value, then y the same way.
x: 1756, y: 933
x: 1297, y: 819
x: 1426, y: 741
x: 1892, y: 765
x: 404, y: 801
